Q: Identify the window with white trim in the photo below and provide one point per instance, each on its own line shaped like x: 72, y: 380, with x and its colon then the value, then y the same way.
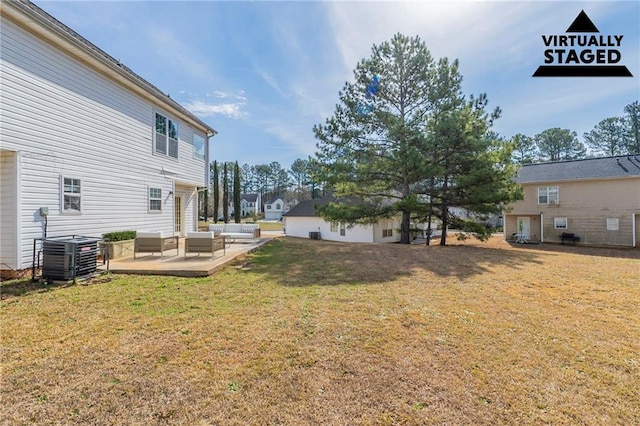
x: 560, y: 222
x: 548, y: 195
x: 155, y: 199
x: 613, y: 224
x: 71, y: 195
x: 343, y: 230
x: 166, y: 136
x: 198, y: 147
x: 387, y: 230
x: 333, y: 226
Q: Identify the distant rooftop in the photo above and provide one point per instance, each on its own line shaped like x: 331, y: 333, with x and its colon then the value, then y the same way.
x: 588, y: 168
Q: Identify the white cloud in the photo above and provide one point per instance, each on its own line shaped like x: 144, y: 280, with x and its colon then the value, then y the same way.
x: 203, y: 109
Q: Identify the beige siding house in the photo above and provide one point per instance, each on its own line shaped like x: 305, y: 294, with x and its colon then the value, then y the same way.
x: 596, y: 199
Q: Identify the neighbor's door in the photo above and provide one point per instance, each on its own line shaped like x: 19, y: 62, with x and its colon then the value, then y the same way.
x: 178, y: 215
x: 524, y: 226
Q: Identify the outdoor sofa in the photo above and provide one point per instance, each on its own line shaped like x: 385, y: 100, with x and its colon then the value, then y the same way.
x: 236, y: 231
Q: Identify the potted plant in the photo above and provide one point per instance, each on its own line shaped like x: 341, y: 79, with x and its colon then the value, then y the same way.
x: 119, y: 243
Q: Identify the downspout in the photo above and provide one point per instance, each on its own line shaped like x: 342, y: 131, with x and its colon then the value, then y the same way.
x: 633, y: 230
x: 541, y: 227
x: 207, y: 170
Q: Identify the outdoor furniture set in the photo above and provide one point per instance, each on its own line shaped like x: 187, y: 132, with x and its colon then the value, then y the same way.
x: 194, y: 242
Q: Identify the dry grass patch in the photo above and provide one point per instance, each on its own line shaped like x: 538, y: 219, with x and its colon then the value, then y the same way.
x: 314, y: 332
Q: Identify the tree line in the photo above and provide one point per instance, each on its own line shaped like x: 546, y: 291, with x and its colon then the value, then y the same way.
x: 612, y: 136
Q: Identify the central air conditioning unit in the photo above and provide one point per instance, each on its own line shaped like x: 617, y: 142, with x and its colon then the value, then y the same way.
x: 69, y: 257
x: 314, y: 235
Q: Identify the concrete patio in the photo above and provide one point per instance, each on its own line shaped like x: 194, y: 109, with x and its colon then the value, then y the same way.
x: 194, y: 265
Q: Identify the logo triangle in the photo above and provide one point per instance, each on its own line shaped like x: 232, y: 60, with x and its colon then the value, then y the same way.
x: 582, y: 24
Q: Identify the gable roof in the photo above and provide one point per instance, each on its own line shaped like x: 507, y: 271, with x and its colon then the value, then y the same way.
x: 251, y: 198
x: 33, y: 18
x: 307, y: 208
x: 623, y: 166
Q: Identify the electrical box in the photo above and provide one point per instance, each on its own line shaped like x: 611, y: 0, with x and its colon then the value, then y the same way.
x: 44, y: 211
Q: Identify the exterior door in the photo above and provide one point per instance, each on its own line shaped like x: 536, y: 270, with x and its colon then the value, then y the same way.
x: 178, y: 215
x: 524, y: 226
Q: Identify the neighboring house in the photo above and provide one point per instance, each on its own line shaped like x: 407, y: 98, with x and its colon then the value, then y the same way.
x: 87, y: 146
x: 596, y: 199
x: 274, y: 209
x: 304, y: 221
x: 249, y: 204
x: 489, y: 220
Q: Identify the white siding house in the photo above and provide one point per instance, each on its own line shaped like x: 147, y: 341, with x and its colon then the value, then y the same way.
x: 303, y: 219
x: 87, y: 139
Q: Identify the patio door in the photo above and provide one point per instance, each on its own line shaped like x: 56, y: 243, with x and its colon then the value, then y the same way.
x: 178, y: 215
x: 524, y: 226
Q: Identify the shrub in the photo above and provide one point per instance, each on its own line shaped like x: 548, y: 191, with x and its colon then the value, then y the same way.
x: 119, y: 235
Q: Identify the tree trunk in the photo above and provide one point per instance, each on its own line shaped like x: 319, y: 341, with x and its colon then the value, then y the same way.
x: 405, y: 234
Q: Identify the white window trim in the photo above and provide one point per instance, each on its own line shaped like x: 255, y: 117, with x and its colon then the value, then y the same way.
x: 556, y: 225
x: 167, y: 118
x: 547, y: 190
x: 149, y: 199
x: 196, y: 154
x: 62, y: 195
x: 613, y: 224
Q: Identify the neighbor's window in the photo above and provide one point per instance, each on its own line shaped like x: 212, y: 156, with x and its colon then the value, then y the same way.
x: 278, y: 206
x: 560, y: 222
x: 268, y: 206
x: 548, y: 195
x: 198, y: 147
x: 334, y: 227
x: 343, y: 229
x: 155, y: 199
x: 612, y: 224
x: 387, y: 231
x: 71, y: 195
x: 166, y: 136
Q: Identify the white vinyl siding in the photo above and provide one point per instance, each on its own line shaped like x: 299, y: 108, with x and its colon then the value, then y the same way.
x: 66, y: 119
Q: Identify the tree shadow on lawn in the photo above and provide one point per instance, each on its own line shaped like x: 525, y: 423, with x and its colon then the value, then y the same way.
x: 24, y: 286
x: 301, y: 262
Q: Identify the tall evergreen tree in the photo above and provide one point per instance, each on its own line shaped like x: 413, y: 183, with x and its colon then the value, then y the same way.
x: 558, y: 144
x: 391, y: 141
x: 632, y: 120
x: 608, y: 137
x: 236, y: 193
x: 524, y: 149
x: 216, y: 192
x: 299, y: 173
x: 225, y: 193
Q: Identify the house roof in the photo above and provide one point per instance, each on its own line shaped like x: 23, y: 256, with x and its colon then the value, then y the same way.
x: 590, y: 168
x: 307, y: 208
x: 38, y: 20
x: 251, y: 198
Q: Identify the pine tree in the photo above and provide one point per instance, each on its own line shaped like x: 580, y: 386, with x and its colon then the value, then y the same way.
x: 216, y: 192
x: 236, y: 193
x: 225, y: 193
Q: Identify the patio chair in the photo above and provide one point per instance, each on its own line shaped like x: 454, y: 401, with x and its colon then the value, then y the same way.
x: 154, y: 242
x: 203, y: 242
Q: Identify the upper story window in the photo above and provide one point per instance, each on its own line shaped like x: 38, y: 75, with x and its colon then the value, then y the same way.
x: 278, y: 206
x: 166, y: 136
x: 198, y: 147
x: 71, y: 195
x: 548, y: 195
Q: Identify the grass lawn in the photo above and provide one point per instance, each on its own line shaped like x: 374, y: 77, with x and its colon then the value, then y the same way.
x: 307, y: 332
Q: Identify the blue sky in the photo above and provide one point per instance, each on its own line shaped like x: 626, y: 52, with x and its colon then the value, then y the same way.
x: 263, y: 73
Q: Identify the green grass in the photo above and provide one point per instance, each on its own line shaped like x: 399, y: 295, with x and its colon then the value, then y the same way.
x: 314, y: 332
